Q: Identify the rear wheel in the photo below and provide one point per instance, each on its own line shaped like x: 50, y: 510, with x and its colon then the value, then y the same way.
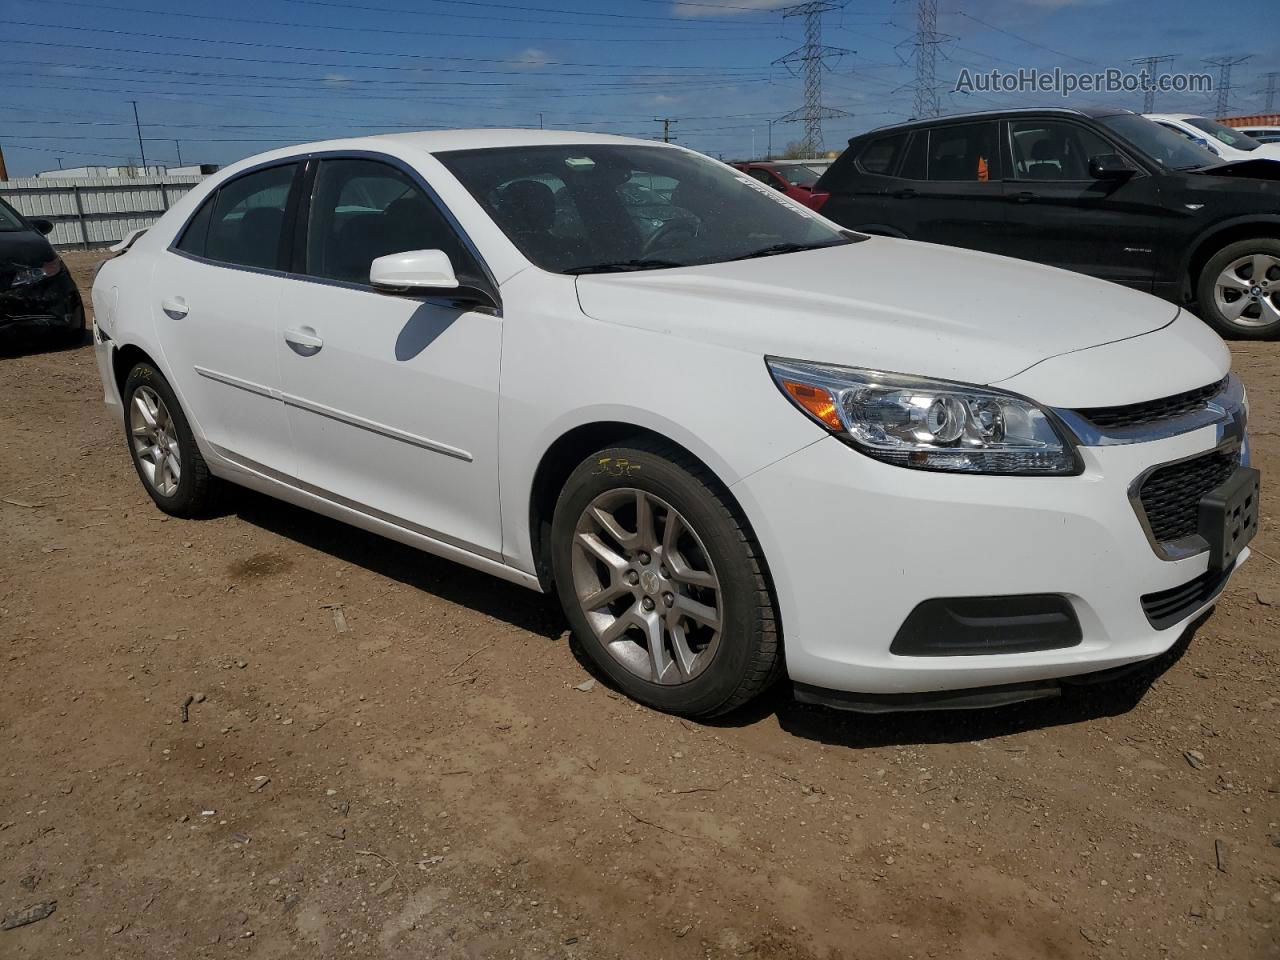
x: 162, y: 445
x: 662, y: 581
x: 1239, y: 290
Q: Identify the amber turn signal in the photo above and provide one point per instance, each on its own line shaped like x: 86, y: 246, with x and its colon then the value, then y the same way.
x: 816, y: 401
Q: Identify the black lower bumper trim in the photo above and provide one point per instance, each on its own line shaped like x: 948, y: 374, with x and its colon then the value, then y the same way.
x: 974, y: 626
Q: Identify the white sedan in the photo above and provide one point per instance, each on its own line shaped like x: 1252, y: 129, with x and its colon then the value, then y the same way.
x: 737, y: 441
x: 1226, y: 142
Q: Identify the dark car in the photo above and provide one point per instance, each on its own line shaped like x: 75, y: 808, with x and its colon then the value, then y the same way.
x: 37, y: 291
x: 1103, y: 192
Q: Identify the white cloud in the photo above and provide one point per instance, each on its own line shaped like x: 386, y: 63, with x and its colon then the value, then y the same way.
x: 711, y: 8
x: 533, y: 57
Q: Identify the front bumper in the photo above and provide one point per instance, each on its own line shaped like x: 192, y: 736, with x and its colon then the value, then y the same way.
x: 855, y: 545
x: 52, y: 303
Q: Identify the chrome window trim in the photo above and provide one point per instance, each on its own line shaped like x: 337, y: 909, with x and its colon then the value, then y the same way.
x: 1194, y: 544
x: 1225, y: 409
x: 304, y: 208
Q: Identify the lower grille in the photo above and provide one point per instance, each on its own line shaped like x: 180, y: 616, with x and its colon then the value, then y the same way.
x: 1167, y: 607
x: 1170, y: 496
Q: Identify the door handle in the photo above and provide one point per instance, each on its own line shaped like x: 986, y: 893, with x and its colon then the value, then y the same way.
x: 304, y: 341
x: 175, y: 308
x: 1026, y: 196
x: 905, y: 194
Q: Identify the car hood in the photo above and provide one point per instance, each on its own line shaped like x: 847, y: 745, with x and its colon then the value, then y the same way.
x: 23, y: 248
x: 1260, y: 168
x: 884, y: 304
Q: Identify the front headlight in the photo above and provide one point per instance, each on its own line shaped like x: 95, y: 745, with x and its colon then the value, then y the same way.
x: 29, y: 275
x: 927, y: 424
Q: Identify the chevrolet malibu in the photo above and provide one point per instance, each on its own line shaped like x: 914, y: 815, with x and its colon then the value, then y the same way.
x: 742, y: 445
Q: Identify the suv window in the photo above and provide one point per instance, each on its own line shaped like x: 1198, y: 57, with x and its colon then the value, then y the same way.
x: 881, y: 155
x: 365, y: 209
x: 965, y: 151
x: 1053, y: 150
x: 246, y: 224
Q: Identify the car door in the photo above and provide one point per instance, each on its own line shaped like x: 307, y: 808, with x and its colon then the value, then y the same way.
x: 1059, y: 215
x: 959, y: 201
x: 392, y: 400
x: 866, y: 183
x: 216, y: 292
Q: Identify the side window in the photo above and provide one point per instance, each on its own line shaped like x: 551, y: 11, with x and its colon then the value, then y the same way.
x: 365, y: 209
x: 247, y: 222
x: 765, y: 177
x: 966, y: 151
x: 915, y: 165
x: 194, y: 237
x: 881, y: 156
x: 1053, y: 150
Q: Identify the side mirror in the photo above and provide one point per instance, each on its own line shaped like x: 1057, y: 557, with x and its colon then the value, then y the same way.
x: 423, y: 272
x: 43, y: 225
x: 1111, y: 166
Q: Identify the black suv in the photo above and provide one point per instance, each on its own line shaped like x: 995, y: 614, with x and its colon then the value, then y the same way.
x: 36, y: 289
x: 1104, y: 192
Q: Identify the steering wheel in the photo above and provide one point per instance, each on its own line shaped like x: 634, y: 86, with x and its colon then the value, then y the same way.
x: 665, y: 233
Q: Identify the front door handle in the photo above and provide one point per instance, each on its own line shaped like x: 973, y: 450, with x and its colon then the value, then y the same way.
x: 1026, y: 196
x: 175, y: 308
x: 304, y: 341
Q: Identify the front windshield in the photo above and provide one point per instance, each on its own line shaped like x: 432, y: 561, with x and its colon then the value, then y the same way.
x: 1232, y: 138
x: 9, y: 219
x: 597, y: 208
x: 1170, y: 150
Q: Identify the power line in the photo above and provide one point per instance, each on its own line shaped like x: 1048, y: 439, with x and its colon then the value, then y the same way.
x: 1152, y: 65
x: 811, y: 59
x: 522, y: 8
x: 666, y: 127
x: 138, y: 126
x: 1010, y: 33
x: 1224, y: 65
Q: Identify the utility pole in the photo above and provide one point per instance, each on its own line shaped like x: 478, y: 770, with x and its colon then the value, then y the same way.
x: 1151, y: 67
x: 177, y: 145
x: 1224, y: 65
x: 138, y: 126
x: 59, y: 159
x: 809, y: 60
x: 1271, y: 90
x: 666, y: 127
x: 769, y: 151
x: 4, y: 171
x: 540, y: 127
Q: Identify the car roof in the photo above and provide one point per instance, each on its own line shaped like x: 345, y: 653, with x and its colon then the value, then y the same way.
x: 994, y: 114
x: 1173, y: 116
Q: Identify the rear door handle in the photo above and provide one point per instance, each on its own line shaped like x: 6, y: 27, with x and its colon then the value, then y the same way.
x: 1026, y: 196
x: 175, y: 308
x: 304, y: 341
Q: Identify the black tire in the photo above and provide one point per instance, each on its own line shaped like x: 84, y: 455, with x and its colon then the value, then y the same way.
x: 196, y: 487
x: 1213, y: 315
x: 748, y: 658
x: 73, y: 335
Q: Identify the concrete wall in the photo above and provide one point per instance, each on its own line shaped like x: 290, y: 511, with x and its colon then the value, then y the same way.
x: 98, y: 211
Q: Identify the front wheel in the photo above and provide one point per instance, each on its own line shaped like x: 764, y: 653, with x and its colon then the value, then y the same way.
x: 1239, y: 290
x: 662, y: 581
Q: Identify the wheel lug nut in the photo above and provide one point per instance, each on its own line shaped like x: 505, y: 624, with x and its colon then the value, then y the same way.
x: 643, y: 558
x: 632, y: 577
x: 669, y: 599
x: 647, y: 603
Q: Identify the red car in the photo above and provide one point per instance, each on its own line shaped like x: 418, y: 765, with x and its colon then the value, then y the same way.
x: 795, y: 178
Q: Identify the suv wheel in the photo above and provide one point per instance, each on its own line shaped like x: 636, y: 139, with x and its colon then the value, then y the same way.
x: 662, y: 582
x: 163, y: 448
x: 1239, y: 290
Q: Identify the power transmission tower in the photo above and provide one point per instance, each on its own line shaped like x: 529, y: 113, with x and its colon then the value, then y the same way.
x: 926, y: 55
x: 1271, y: 90
x: 810, y: 60
x: 666, y: 127
x: 1224, y: 65
x: 1152, y: 70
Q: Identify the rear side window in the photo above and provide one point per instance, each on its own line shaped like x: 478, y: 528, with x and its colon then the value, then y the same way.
x: 193, y: 238
x: 881, y: 155
x: 246, y: 226
x: 966, y: 151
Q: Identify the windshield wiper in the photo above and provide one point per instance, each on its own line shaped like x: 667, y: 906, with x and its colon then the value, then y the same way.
x: 623, y: 266
x: 787, y: 248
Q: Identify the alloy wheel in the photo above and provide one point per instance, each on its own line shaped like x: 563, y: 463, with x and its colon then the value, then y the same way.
x: 647, y: 586
x: 1247, y: 292
x: 155, y: 441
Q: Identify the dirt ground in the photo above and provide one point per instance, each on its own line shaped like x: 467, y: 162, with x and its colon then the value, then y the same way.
x: 421, y: 775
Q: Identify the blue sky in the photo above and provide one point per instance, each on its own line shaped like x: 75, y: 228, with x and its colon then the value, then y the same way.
x: 231, y: 79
